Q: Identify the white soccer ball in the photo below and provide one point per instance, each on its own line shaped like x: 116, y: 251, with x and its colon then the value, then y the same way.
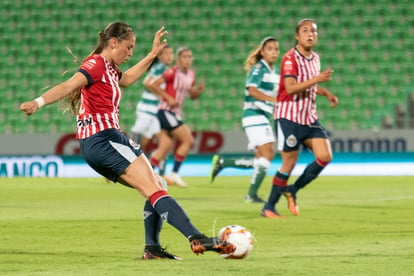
x: 240, y: 237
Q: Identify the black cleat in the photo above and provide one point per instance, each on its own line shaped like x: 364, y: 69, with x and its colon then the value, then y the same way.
x: 201, y: 243
x: 157, y: 252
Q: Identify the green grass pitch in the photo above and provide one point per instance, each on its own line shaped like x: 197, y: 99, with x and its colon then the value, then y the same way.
x: 347, y: 226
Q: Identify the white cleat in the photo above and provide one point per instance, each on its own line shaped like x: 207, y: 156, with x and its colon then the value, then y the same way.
x: 175, y: 179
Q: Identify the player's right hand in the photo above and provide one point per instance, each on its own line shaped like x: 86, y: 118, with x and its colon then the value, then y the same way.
x: 325, y: 75
x: 29, y: 107
x: 172, y: 102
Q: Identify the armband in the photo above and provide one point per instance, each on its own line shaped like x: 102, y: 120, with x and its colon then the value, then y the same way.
x: 40, y: 102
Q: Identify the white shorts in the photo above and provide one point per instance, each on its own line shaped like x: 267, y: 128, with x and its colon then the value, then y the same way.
x: 146, y: 125
x: 259, y: 135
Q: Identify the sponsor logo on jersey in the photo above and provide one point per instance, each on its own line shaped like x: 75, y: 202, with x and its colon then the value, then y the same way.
x: 288, y: 65
x: 90, y: 64
x: 83, y: 123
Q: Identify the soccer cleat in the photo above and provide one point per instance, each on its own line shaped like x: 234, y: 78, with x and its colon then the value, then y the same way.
x: 291, y: 199
x: 253, y: 199
x: 175, y: 179
x: 271, y: 214
x: 157, y: 252
x: 216, y: 167
x: 201, y: 243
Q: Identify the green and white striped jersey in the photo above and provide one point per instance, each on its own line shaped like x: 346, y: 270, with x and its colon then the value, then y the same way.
x: 266, y: 80
x: 149, y: 102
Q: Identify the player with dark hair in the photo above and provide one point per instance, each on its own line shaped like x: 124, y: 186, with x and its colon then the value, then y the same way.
x: 259, y: 99
x: 296, y: 120
x: 179, y: 80
x: 96, y: 86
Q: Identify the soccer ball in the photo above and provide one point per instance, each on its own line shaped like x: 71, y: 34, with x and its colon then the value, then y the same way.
x: 240, y: 237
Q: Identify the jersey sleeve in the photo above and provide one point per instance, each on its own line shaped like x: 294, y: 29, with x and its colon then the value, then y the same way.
x: 93, y: 69
x: 157, y: 70
x: 255, y: 76
x: 289, y: 67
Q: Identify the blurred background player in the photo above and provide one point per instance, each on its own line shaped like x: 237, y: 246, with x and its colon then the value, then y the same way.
x: 96, y: 87
x: 147, y: 125
x: 261, y: 86
x: 296, y: 120
x: 179, y: 80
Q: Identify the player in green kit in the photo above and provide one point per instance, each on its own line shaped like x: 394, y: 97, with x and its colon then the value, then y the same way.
x: 260, y: 97
x: 147, y: 124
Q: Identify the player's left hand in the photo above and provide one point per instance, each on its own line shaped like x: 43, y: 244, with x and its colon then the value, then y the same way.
x: 332, y: 99
x: 158, y: 45
x: 200, y: 87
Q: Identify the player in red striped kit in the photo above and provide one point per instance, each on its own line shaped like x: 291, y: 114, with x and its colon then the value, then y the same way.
x: 296, y: 121
x: 96, y: 86
x: 180, y: 80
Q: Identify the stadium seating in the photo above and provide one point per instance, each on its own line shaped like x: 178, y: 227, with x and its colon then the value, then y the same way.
x: 366, y: 42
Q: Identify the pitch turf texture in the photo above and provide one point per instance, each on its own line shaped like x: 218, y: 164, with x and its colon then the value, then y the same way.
x: 346, y: 226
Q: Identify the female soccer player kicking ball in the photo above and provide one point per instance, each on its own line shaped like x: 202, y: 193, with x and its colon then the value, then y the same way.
x: 96, y: 86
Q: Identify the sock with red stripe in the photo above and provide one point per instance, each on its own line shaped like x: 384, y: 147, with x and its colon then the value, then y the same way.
x: 154, y: 162
x: 178, y: 160
x: 171, y: 212
x: 279, y: 186
x: 309, y: 174
x: 152, y: 224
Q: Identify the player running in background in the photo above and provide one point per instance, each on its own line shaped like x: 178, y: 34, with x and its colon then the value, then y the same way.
x: 96, y: 86
x: 296, y: 120
x: 147, y: 125
x: 180, y: 80
x: 261, y: 87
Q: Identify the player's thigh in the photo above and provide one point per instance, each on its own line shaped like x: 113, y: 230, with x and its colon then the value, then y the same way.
x: 321, y: 148
x: 183, y: 134
x: 267, y: 151
x: 141, y: 176
x: 165, y: 142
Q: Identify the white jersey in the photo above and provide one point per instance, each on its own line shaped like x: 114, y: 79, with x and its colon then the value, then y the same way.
x: 266, y: 80
x: 149, y: 102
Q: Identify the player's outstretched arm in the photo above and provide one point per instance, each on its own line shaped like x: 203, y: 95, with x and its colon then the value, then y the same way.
x: 54, y: 94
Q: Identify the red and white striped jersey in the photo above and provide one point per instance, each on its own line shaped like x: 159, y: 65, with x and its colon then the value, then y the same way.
x: 177, y: 85
x: 299, y: 108
x: 99, y: 102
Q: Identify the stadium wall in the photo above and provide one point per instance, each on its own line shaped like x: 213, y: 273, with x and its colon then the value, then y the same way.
x: 210, y: 142
x: 386, y: 152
